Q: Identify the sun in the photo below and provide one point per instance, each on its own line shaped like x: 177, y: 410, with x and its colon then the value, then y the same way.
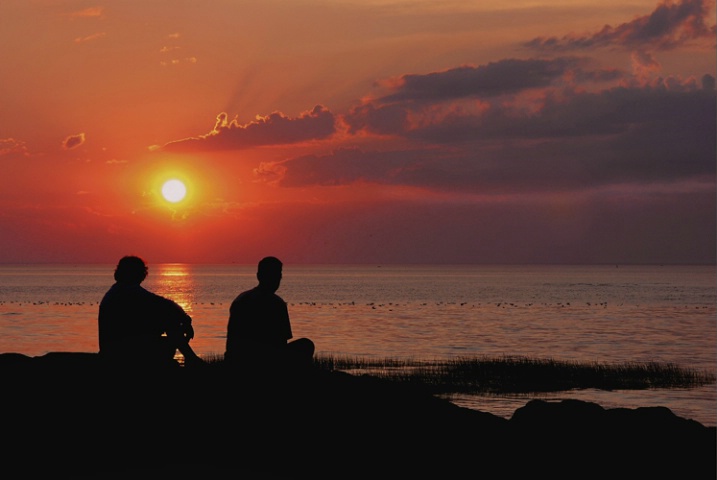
x: 174, y: 190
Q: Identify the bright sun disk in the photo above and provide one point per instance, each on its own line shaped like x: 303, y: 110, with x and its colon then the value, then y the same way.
x: 174, y: 190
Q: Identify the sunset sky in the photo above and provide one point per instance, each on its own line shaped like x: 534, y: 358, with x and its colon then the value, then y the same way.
x: 359, y: 131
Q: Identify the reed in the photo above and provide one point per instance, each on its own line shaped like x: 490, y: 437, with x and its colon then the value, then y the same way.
x: 497, y: 375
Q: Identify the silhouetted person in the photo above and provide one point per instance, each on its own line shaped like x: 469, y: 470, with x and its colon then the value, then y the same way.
x: 138, y: 327
x: 259, y: 331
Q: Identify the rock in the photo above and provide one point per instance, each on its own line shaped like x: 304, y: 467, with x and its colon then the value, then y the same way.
x: 68, y: 415
x: 576, y: 436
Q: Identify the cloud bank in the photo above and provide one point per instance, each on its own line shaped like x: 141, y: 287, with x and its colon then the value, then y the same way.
x: 273, y: 129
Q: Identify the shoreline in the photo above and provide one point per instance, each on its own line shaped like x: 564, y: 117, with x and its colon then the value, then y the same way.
x: 506, y: 405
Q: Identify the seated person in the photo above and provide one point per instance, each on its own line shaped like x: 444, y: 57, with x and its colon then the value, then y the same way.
x: 259, y: 330
x: 138, y: 327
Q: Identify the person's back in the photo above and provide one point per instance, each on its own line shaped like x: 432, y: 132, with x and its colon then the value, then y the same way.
x: 259, y: 330
x: 132, y: 322
x: 136, y: 326
x: 262, y: 321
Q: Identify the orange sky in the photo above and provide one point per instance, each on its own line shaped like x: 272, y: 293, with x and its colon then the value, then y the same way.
x: 349, y: 131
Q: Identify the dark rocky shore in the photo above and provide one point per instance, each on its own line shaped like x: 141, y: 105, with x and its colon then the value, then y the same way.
x: 67, y: 416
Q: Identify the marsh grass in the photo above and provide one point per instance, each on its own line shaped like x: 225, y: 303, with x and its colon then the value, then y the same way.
x: 509, y: 375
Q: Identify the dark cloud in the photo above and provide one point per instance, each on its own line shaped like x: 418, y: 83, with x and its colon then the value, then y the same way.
x: 670, y: 25
x: 512, y: 126
x: 640, y: 134
x: 274, y: 129
x: 346, y: 166
x: 493, y: 79
x: 560, y: 113
x: 73, y: 141
x: 413, y: 105
x: 381, y: 120
x: 599, y: 76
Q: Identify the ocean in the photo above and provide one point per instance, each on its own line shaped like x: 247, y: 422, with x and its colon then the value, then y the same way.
x: 590, y: 313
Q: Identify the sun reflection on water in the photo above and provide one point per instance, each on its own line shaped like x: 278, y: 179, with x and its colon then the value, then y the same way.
x: 174, y: 281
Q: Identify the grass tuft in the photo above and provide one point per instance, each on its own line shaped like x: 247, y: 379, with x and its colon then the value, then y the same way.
x: 504, y: 375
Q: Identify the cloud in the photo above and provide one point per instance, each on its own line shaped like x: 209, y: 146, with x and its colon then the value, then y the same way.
x: 344, y: 166
x: 11, y: 148
x: 91, y: 12
x: 512, y: 126
x: 578, y: 113
x: 178, y: 61
x: 273, y: 129
x: 493, y: 79
x: 634, y: 134
x: 89, y: 38
x: 169, y: 49
x: 538, y: 98
x: 644, y: 65
x: 73, y: 141
x: 415, y: 102
x: 670, y: 25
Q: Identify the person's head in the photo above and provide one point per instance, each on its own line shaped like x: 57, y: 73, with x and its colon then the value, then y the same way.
x: 269, y: 273
x: 131, y: 269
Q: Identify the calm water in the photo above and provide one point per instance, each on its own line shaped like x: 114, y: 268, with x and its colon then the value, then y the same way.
x: 583, y: 313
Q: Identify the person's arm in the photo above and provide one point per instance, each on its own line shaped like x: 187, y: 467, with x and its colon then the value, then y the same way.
x: 234, y: 334
x: 180, y: 332
x: 284, y: 322
x: 190, y: 357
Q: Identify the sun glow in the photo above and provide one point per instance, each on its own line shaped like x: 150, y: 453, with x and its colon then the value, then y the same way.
x: 174, y: 190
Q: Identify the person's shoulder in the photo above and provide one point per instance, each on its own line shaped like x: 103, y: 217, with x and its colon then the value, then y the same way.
x: 119, y: 290
x: 246, y: 294
x: 252, y: 292
x: 277, y: 299
x: 167, y: 302
x: 111, y: 292
x: 156, y: 300
x: 154, y: 296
